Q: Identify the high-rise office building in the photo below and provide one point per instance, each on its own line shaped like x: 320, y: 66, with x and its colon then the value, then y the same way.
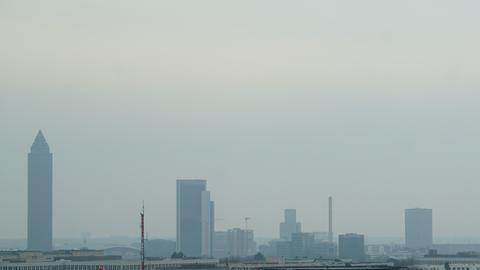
x: 418, y: 228
x: 195, y: 218
x: 351, y: 246
x: 290, y: 225
x: 39, y: 195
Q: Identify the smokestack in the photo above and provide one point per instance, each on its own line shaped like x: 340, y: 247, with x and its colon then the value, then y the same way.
x: 330, y: 227
x: 142, y: 239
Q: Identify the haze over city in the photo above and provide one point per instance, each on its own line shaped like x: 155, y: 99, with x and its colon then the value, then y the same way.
x: 277, y: 104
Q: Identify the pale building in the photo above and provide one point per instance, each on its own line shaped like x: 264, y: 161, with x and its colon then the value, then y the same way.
x: 235, y: 242
x: 418, y: 228
x: 240, y: 243
x: 351, y: 246
x: 220, y: 245
x: 290, y: 224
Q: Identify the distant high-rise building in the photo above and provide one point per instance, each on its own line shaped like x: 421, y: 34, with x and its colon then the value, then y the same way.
x: 283, y: 248
x: 220, y: 245
x: 351, y: 246
x: 39, y: 195
x: 195, y: 215
x: 235, y: 243
x: 324, y: 249
x: 301, y: 244
x: 418, y: 228
x: 290, y: 225
x: 241, y: 242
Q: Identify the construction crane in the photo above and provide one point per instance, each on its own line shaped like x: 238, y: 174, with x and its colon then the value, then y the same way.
x: 246, y: 222
x: 85, y: 236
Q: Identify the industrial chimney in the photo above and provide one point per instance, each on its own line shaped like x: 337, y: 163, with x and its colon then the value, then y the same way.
x: 330, y: 227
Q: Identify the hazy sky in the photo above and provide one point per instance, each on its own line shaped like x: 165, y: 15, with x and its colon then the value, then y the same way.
x: 278, y: 104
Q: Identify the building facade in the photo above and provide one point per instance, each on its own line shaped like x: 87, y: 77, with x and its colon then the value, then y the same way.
x: 301, y: 245
x: 167, y: 264
x: 240, y: 243
x: 418, y: 228
x: 39, y: 234
x: 195, y: 216
x: 235, y: 242
x: 290, y: 224
x: 351, y: 246
x: 221, y: 245
x: 324, y: 249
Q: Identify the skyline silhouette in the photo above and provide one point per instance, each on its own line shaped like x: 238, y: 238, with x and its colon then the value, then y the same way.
x: 277, y: 104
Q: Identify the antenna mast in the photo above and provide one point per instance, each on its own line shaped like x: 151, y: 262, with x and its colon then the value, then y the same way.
x: 142, y: 245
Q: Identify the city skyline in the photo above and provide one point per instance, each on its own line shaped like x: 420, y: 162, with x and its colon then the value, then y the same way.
x: 418, y: 221
x: 278, y: 104
x: 41, y: 147
x: 195, y: 223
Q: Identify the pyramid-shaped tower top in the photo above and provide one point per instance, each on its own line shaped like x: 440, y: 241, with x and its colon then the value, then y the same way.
x: 40, y: 145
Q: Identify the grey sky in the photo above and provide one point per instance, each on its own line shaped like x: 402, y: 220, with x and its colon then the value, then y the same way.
x: 278, y: 104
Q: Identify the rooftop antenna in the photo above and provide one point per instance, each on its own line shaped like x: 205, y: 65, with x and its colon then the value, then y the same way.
x: 142, y: 245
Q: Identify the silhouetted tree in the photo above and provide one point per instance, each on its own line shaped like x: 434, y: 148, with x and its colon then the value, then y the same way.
x: 259, y: 257
x: 177, y: 255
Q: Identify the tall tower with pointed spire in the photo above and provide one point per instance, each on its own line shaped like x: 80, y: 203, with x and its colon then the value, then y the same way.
x: 39, y: 195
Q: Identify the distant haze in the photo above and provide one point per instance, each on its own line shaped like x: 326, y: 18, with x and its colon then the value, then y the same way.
x: 277, y: 104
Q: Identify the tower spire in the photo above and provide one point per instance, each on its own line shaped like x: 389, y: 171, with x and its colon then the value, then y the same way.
x: 39, y: 232
x: 40, y: 143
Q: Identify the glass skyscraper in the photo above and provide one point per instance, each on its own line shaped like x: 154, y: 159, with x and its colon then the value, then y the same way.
x: 195, y: 218
x: 418, y: 228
